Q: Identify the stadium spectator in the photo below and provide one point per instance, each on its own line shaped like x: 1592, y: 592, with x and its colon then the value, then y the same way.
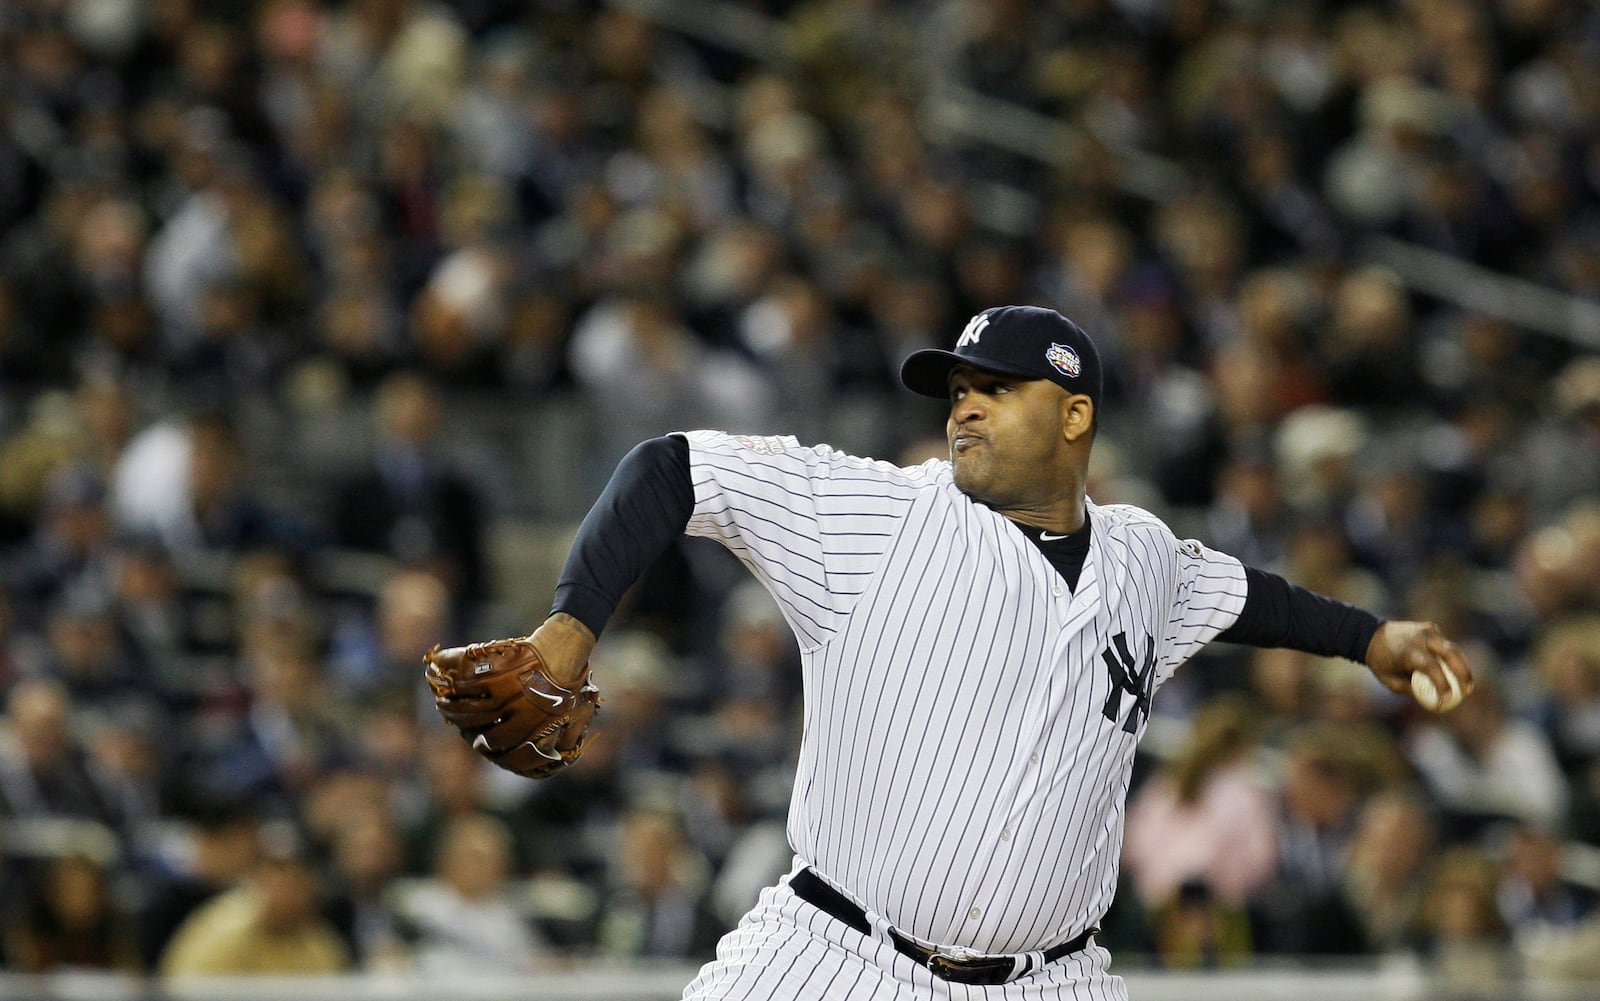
x: 467, y: 918
x: 1533, y: 893
x: 71, y: 549
x: 636, y: 348
x: 1328, y: 776
x: 1566, y: 659
x: 68, y: 921
x: 218, y: 848
x: 1464, y: 936
x: 1387, y: 874
x: 44, y: 771
x: 657, y: 905
x: 156, y: 621
x: 410, y: 502
x: 367, y: 856
x: 269, y: 924
x: 1482, y: 764
x: 1209, y: 819
x: 371, y: 657
x: 187, y: 484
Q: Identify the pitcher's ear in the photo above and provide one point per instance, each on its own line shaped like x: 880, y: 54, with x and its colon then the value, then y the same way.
x: 1077, y: 417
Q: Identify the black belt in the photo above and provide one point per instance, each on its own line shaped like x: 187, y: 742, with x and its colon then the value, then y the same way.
x: 980, y: 970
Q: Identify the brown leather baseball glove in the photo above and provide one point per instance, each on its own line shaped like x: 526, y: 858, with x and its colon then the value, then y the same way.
x: 500, y: 695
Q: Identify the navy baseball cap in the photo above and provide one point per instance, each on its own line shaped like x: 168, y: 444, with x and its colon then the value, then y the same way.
x: 1029, y: 342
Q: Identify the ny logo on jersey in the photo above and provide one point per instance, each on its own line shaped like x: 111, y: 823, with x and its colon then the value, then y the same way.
x: 1123, y: 679
x: 973, y: 331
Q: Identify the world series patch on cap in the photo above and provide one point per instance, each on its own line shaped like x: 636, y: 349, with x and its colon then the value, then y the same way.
x: 1029, y: 342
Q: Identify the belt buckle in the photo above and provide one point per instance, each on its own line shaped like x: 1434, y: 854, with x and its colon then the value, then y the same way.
x: 963, y: 967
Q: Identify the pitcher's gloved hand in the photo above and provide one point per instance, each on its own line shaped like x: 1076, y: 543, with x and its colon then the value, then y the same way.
x: 503, y: 698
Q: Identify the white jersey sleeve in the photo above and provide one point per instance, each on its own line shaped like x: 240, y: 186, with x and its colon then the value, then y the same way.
x: 1210, y: 594
x: 811, y: 522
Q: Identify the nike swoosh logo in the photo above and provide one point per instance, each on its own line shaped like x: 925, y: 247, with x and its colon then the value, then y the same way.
x: 555, y: 700
x: 1047, y: 537
x: 544, y: 753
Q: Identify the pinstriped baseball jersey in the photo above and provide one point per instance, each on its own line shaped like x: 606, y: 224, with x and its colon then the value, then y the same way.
x: 970, y: 722
x: 786, y: 950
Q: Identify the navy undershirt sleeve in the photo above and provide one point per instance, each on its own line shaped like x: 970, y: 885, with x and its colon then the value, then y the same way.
x: 645, y: 506
x: 1280, y: 614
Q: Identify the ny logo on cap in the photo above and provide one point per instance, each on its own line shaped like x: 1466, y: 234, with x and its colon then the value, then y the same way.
x: 973, y: 331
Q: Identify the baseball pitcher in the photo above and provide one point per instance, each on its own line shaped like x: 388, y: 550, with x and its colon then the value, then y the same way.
x: 981, y: 643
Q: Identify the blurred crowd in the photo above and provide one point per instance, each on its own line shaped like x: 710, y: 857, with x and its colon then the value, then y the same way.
x: 321, y: 321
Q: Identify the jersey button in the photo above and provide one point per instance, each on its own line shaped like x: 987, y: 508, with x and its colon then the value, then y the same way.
x: 1055, y: 589
x: 1005, y: 834
x: 1033, y: 759
x: 975, y: 914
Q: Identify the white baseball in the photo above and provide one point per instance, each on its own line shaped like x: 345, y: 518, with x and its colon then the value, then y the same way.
x: 1423, y: 688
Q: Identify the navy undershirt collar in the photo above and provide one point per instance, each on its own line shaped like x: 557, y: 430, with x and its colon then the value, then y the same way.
x: 1065, y: 552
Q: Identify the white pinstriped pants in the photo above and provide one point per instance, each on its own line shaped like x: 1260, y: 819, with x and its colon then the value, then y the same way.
x: 787, y: 950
